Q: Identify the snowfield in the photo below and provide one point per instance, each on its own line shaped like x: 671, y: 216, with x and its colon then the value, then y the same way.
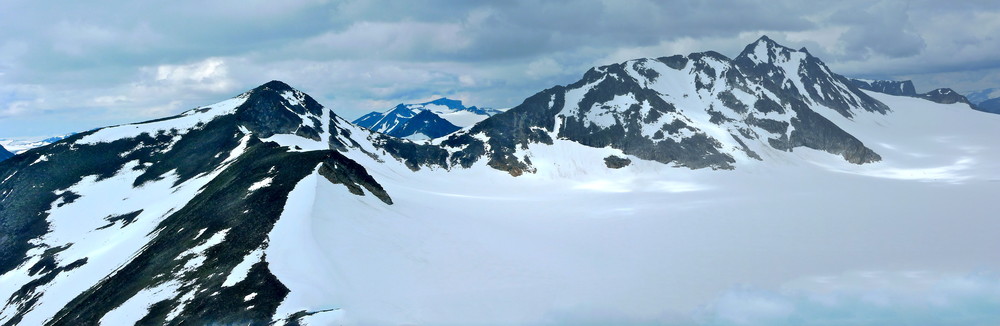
x: 576, y: 242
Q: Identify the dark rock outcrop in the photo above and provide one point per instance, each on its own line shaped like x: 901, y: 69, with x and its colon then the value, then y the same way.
x: 5, y: 154
x: 944, y: 96
x: 891, y: 87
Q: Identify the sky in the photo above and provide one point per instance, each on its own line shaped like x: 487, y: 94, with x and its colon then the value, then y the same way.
x: 68, y: 66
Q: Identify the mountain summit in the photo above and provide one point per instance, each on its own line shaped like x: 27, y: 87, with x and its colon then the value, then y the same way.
x: 701, y: 110
x: 180, y: 186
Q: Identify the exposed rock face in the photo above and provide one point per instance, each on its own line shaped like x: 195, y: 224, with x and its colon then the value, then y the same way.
x: 944, y: 96
x: 616, y: 162
x: 891, y: 87
x: 905, y: 88
x: 698, y: 111
x: 276, y: 108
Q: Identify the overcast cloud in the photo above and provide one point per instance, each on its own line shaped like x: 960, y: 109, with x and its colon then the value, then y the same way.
x: 73, y: 66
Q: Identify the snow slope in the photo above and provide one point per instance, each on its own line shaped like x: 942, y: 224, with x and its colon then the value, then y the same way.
x: 645, y: 243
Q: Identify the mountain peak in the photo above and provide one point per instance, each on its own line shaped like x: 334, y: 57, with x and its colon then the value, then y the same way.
x: 766, y: 42
x: 765, y: 50
x: 277, y: 108
x: 765, y: 39
x: 275, y: 85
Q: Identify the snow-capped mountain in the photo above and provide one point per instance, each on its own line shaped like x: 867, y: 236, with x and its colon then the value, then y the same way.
x: 181, y: 186
x: 702, y: 110
x: 269, y: 208
x: 20, y: 145
x: 445, y: 116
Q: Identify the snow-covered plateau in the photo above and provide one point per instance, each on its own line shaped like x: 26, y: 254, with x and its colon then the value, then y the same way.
x: 649, y: 243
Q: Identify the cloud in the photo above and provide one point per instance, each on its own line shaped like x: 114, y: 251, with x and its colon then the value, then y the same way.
x: 877, y: 29
x: 497, y: 53
x: 863, y: 298
x: 544, y: 67
x: 390, y: 40
x: 871, y: 298
x: 209, y: 74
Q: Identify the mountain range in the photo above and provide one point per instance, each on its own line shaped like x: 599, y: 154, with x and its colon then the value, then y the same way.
x: 987, y: 100
x: 905, y: 88
x: 21, y: 145
x: 426, y: 120
x: 615, y: 191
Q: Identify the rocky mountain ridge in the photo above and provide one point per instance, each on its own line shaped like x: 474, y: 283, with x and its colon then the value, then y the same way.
x: 905, y: 88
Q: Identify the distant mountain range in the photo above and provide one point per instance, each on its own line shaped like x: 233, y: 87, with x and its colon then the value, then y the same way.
x: 905, y: 88
x: 987, y: 100
x: 426, y: 120
x: 20, y: 145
